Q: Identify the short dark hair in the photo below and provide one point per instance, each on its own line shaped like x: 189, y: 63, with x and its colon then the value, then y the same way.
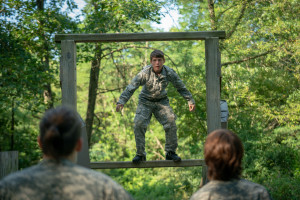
x: 60, y: 129
x: 157, y: 54
x: 223, y: 153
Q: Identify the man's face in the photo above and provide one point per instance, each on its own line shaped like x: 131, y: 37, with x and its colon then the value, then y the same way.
x: 157, y: 64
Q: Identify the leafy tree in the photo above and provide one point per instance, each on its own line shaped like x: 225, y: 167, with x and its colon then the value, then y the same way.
x: 106, y: 17
x: 27, y: 53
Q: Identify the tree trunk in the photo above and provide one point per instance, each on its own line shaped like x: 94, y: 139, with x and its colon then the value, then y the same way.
x: 48, y: 100
x: 12, y: 127
x: 212, y: 15
x: 93, y: 87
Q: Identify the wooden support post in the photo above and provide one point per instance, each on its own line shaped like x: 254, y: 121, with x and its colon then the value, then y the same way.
x: 68, y: 74
x: 204, y: 178
x: 69, y: 91
x: 213, y: 73
x: 8, y: 162
x: 83, y: 157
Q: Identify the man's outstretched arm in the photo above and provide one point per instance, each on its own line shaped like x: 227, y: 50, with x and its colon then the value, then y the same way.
x: 128, y: 92
x: 183, y: 91
x: 192, y: 107
x: 119, y: 107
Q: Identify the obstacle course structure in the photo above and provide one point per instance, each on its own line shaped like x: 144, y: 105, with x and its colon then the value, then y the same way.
x: 213, y: 74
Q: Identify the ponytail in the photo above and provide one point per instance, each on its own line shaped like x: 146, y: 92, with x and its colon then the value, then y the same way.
x: 60, y: 129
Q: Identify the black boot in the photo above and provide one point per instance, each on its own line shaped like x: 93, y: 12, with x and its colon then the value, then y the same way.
x: 138, y: 159
x: 172, y: 156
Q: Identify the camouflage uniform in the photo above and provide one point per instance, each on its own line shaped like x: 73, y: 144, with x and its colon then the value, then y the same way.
x: 51, y: 181
x: 153, y: 99
x: 236, y: 189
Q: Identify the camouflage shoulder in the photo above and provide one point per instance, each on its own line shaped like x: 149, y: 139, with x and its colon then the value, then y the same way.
x: 250, y: 184
x: 146, y: 68
x: 201, y: 194
x: 171, y: 74
x: 169, y: 69
x: 15, y: 176
x: 108, y: 184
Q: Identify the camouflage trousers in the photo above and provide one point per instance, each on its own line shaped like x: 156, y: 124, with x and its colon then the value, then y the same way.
x: 166, y: 117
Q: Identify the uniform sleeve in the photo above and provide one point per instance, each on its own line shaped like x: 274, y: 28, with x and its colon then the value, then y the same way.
x: 183, y: 91
x: 135, y: 84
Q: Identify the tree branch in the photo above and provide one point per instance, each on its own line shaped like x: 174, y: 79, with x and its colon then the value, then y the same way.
x: 246, y: 59
x: 112, y: 58
x: 133, y: 46
x: 222, y: 13
x: 242, y: 12
x: 109, y: 90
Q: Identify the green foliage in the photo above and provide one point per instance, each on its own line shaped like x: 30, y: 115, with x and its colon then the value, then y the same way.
x: 260, y: 81
x: 276, y: 164
x: 27, y: 51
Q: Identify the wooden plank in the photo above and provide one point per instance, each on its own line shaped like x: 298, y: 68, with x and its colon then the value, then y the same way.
x: 68, y: 74
x: 136, y: 37
x: 147, y: 164
x: 213, y: 73
x: 8, y: 162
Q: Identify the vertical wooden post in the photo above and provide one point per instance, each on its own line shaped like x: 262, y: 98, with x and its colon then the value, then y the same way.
x: 69, y: 92
x: 83, y: 157
x: 68, y: 74
x: 213, y: 73
x: 8, y: 162
x: 204, y: 178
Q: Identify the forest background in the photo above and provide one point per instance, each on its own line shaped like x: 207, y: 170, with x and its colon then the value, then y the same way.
x: 260, y: 82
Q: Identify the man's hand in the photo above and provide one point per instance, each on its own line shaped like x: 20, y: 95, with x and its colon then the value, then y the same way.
x: 119, y: 107
x: 192, y: 107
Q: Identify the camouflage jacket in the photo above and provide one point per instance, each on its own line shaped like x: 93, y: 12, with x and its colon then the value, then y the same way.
x: 236, y: 189
x: 51, y: 181
x: 154, y: 86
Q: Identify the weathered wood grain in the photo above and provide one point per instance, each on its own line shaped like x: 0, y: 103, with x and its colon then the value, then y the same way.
x: 8, y: 162
x: 213, y: 73
x: 147, y: 164
x: 138, y: 37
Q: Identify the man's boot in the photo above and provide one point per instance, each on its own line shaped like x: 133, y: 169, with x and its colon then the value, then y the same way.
x: 171, y: 155
x: 138, y: 159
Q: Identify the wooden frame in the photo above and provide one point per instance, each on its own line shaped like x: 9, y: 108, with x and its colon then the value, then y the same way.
x: 213, y: 73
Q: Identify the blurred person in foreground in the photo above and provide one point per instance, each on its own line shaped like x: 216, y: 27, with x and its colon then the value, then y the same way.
x: 223, y: 153
x: 57, y: 177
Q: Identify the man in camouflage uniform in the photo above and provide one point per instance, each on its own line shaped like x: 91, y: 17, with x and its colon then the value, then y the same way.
x: 153, y: 100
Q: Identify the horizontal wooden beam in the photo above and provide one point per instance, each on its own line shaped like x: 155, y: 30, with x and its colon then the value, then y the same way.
x: 138, y: 37
x: 147, y: 164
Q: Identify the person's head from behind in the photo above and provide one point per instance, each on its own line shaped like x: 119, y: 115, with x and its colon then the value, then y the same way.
x: 223, y: 152
x: 60, y: 133
x: 157, y: 59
